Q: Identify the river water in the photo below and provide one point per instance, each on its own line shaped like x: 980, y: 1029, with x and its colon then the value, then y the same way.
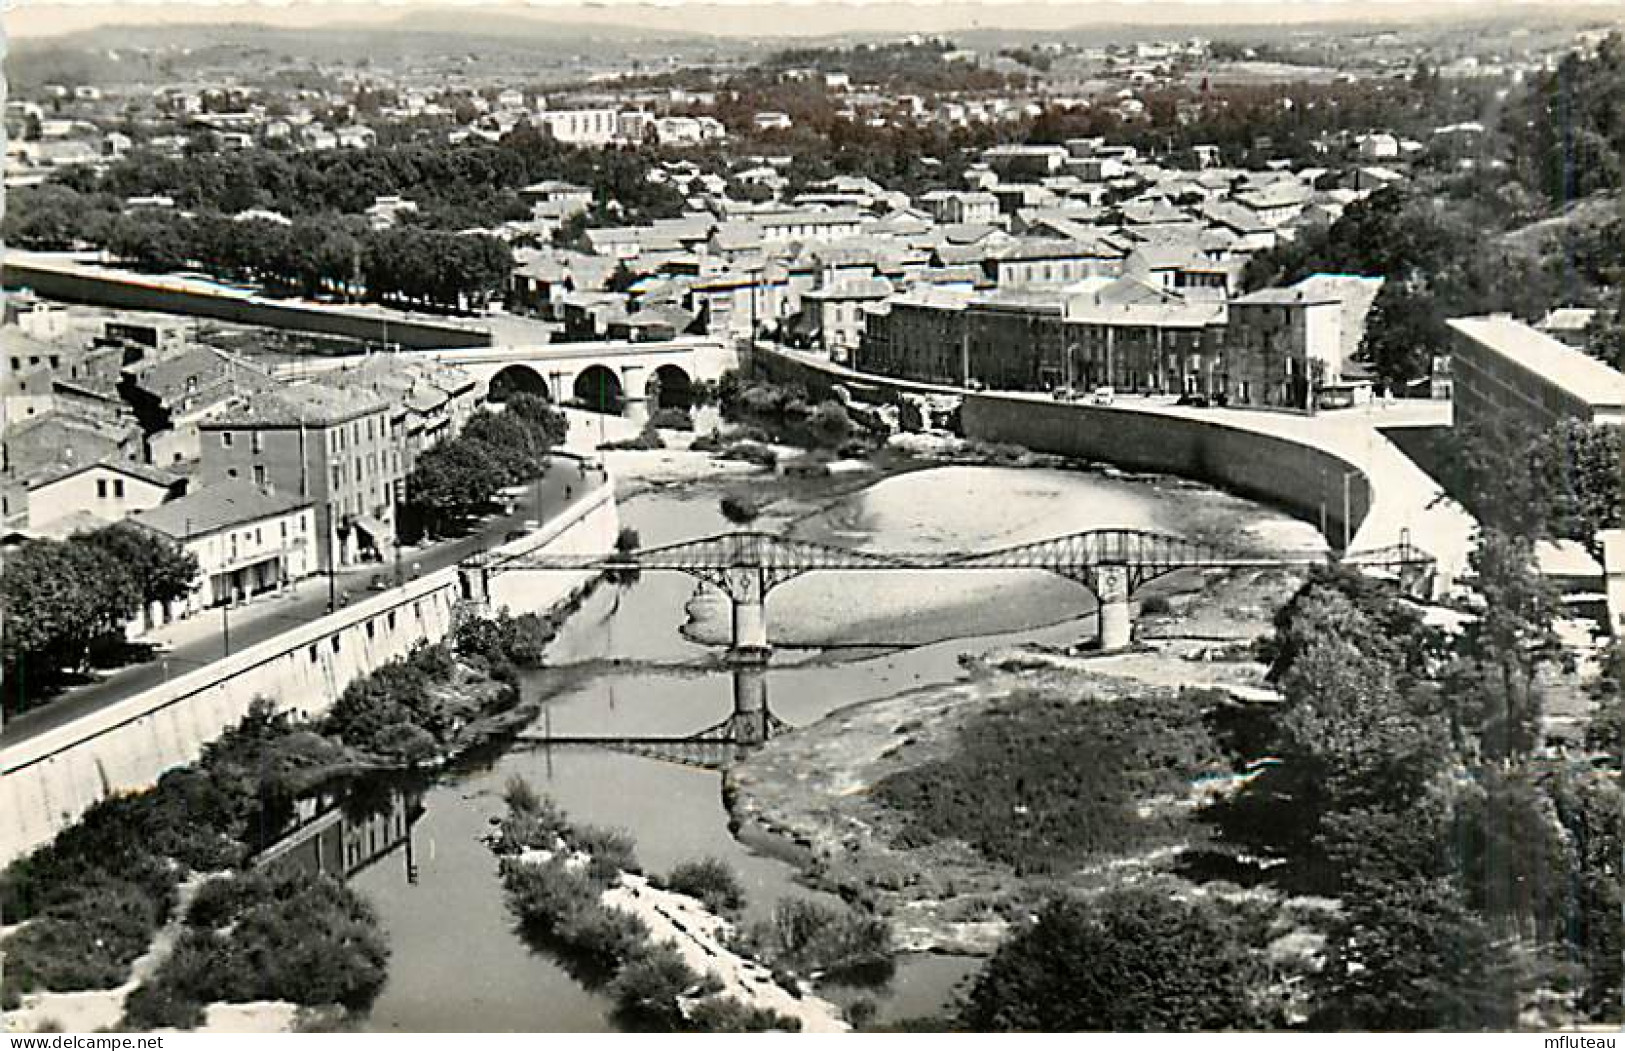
x: 639, y: 660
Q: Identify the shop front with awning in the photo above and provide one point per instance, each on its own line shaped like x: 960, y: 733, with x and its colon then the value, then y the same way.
x: 373, y: 538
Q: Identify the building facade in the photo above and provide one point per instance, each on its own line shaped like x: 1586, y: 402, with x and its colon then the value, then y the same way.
x: 338, y: 448
x: 247, y: 541
x: 1507, y: 375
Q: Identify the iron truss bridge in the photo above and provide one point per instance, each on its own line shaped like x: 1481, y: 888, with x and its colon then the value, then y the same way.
x: 735, y: 562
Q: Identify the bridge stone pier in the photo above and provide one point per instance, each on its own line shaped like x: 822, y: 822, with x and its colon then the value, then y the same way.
x: 1111, y: 587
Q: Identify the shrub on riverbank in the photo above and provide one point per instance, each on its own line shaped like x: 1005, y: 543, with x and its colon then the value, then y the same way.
x: 645, y: 440
x: 1043, y: 783
x: 423, y: 707
x: 1132, y: 960
x: 712, y: 882
x: 86, y: 941
x: 291, y: 936
x: 503, y: 644
x: 750, y: 452
x: 807, y: 936
x: 648, y: 989
x: 95, y: 896
x: 672, y: 420
x: 91, y: 900
x: 558, y: 900
x: 557, y: 903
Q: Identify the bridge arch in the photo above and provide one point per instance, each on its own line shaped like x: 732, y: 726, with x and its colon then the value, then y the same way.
x: 599, y: 389
x: 518, y: 378
x: 671, y: 388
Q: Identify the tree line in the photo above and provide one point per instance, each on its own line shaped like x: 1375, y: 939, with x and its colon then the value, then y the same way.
x: 68, y: 603
x: 452, y: 183
x: 460, y: 477
x: 1410, y: 773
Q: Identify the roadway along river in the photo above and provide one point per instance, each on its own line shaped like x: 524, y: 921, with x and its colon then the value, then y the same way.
x: 624, y: 665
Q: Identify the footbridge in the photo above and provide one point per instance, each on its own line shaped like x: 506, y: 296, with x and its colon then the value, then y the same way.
x: 1113, y: 564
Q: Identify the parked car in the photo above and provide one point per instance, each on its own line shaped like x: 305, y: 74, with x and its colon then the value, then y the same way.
x: 1104, y: 396
x: 1194, y: 400
x: 1064, y: 394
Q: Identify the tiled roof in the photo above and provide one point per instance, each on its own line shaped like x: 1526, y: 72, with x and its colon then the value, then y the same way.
x: 143, y: 472
x: 215, y: 507
x: 308, y: 404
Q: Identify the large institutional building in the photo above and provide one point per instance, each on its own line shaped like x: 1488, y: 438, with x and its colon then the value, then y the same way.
x: 1508, y: 374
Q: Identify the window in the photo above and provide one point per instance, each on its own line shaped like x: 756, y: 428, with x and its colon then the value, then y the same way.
x: 118, y: 488
x: 225, y: 439
x: 16, y: 364
x: 284, y: 529
x: 338, y: 475
x: 33, y: 359
x: 259, y: 474
x: 101, y: 489
x: 231, y: 472
x: 56, y: 361
x: 256, y: 442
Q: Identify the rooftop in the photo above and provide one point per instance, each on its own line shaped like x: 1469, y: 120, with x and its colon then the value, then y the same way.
x: 215, y: 507
x: 301, y: 404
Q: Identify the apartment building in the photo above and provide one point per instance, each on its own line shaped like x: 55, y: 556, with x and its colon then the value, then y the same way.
x: 337, y: 447
x: 1507, y: 374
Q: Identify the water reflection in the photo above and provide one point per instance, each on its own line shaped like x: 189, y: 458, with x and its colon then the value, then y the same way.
x: 748, y: 726
x: 343, y: 830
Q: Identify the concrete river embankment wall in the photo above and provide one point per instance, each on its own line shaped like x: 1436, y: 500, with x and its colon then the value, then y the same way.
x: 46, y: 781
x: 1307, y: 480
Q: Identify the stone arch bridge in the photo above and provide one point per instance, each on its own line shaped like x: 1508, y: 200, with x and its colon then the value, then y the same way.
x: 608, y: 376
x: 1112, y: 564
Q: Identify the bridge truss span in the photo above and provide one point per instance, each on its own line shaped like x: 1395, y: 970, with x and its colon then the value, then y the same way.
x: 1112, y: 563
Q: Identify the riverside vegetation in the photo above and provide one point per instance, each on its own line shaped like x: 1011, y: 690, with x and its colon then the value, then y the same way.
x: 91, y: 902
x: 1403, y: 777
x: 555, y: 874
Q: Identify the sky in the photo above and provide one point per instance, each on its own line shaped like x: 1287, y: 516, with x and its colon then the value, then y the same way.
x: 32, y: 18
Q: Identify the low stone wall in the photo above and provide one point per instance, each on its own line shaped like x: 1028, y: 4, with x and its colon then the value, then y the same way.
x: 48, y: 780
x: 135, y: 292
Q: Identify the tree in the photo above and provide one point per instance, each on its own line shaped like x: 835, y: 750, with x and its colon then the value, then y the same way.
x: 453, y: 481
x: 1132, y: 960
x: 163, y: 570
x: 1493, y: 683
x: 1412, y: 956
x: 740, y: 508
x: 1580, y: 466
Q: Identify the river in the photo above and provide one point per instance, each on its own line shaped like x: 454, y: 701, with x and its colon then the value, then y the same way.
x: 638, y: 660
